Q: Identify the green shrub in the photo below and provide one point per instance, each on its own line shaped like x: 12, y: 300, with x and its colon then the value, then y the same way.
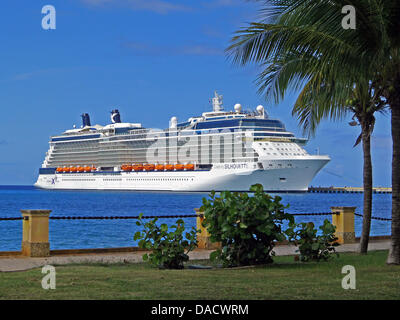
x: 313, y: 247
x: 246, y: 226
x: 168, y: 248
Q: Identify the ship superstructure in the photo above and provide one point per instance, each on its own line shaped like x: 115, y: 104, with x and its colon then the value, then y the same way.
x: 219, y: 150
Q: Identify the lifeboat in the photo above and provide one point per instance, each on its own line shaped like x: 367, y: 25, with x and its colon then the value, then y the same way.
x: 93, y: 169
x: 189, y: 166
x: 137, y: 167
x: 80, y: 169
x: 59, y: 170
x: 88, y: 169
x: 73, y: 169
x: 179, y: 167
x: 169, y: 167
x: 149, y: 167
x: 66, y: 169
x: 126, y: 167
x: 159, y: 167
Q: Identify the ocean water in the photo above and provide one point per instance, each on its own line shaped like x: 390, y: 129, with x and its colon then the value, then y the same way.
x: 76, y: 234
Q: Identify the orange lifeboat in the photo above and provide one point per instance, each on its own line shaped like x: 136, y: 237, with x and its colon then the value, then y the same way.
x: 93, y: 169
x: 189, y: 166
x: 80, y: 169
x: 149, y: 167
x: 66, y: 169
x: 137, y: 167
x: 179, y: 167
x: 159, y: 167
x: 169, y: 167
x: 73, y: 169
x: 59, y: 170
x: 126, y: 167
x: 88, y: 169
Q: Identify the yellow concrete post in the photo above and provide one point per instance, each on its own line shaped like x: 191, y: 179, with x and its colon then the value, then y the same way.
x: 35, y: 233
x: 203, y: 238
x: 344, y: 222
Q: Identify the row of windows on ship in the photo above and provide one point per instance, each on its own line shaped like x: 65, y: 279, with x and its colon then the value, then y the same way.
x: 282, y: 149
x: 271, y: 148
x: 131, y: 167
x: 147, y: 144
x: 130, y: 179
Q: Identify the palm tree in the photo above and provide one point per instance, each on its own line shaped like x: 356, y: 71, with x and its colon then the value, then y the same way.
x: 363, y: 104
x: 392, y: 93
x: 302, y: 45
x: 315, y: 102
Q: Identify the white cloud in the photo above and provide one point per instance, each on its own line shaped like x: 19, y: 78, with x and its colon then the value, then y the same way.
x: 190, y: 50
x: 157, y: 6
x: 201, y: 50
x: 44, y: 72
x: 224, y: 3
x: 23, y: 76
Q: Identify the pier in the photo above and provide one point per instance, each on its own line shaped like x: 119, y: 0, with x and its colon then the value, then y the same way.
x: 346, y: 190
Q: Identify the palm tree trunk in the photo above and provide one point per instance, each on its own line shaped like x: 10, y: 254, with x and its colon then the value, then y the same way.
x: 367, y: 181
x: 394, y: 251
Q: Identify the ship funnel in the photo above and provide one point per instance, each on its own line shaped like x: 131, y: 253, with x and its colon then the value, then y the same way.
x: 115, y: 116
x: 85, y: 120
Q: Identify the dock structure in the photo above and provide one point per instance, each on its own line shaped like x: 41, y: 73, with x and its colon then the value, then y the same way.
x: 346, y: 190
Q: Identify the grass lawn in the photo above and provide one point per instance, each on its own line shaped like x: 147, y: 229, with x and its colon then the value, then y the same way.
x: 285, y: 279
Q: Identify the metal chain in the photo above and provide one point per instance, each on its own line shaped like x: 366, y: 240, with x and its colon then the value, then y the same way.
x: 147, y: 217
x: 171, y: 216
x: 375, y: 218
x: 120, y: 217
x: 315, y: 214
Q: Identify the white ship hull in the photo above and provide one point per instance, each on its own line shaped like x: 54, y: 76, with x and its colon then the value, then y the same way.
x: 275, y: 176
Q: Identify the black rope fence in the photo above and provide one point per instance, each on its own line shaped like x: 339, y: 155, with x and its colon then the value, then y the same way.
x: 168, y: 217
x: 315, y: 214
x: 104, y: 217
x: 122, y: 217
x: 375, y: 218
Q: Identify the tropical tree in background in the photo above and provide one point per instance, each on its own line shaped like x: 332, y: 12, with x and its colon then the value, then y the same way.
x: 317, y: 100
x: 302, y: 45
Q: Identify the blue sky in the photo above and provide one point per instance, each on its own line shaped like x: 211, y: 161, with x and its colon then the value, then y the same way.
x: 152, y: 59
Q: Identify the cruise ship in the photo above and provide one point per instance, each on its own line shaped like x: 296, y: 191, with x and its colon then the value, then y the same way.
x: 219, y: 150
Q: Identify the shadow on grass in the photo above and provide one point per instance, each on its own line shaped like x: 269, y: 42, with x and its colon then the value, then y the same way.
x: 280, y: 262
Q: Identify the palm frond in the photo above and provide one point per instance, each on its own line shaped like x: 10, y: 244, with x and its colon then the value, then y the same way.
x: 301, y: 46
